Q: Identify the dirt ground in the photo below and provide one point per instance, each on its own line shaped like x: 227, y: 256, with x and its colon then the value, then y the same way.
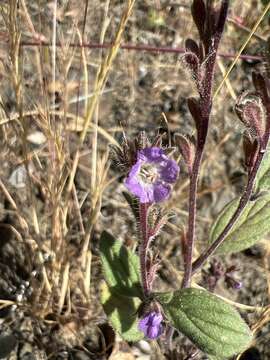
x: 49, y: 233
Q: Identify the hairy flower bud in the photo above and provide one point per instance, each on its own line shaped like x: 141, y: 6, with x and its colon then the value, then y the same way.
x: 192, y: 63
x: 251, y: 112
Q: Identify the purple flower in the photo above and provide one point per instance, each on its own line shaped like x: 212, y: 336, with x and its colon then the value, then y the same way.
x: 151, y: 177
x: 233, y: 283
x: 150, y: 325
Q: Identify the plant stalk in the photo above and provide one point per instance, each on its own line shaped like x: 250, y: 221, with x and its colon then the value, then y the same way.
x: 143, y: 248
x: 205, y: 92
x: 193, y: 184
x: 138, y: 47
x: 202, y: 119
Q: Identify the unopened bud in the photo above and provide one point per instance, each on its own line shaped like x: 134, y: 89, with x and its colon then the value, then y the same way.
x: 251, y: 112
x: 192, y: 63
x: 186, y: 149
x: 192, y: 46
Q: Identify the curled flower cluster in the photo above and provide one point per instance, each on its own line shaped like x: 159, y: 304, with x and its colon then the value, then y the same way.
x: 152, y: 176
x: 150, y: 179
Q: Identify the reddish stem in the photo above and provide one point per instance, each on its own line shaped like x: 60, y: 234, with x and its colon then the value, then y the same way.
x: 205, y: 91
x: 210, y: 43
x: 192, y: 216
x: 136, y: 47
x: 143, y: 248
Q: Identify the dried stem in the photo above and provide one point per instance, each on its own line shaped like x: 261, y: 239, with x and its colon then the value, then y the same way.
x: 138, y: 47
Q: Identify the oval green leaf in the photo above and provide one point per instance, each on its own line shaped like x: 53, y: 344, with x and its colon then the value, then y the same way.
x: 251, y: 227
x: 120, y: 266
x: 122, y: 313
x: 211, y: 324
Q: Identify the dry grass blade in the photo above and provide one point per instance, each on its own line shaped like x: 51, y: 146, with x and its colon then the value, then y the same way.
x: 98, y: 86
x: 255, y: 27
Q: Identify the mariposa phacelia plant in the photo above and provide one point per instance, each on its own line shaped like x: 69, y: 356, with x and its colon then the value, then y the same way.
x: 134, y: 308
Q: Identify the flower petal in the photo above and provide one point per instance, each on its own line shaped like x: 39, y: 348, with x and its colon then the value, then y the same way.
x: 144, y: 192
x: 143, y: 325
x: 151, y: 325
x: 133, y: 184
x: 169, y: 172
x: 159, y: 188
x: 134, y: 170
x: 156, y: 318
x: 154, y: 332
x: 161, y: 191
x: 151, y: 154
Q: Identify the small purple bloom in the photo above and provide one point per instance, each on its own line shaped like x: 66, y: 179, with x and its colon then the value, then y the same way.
x: 232, y: 282
x: 151, y: 177
x: 151, y: 325
x: 238, y: 285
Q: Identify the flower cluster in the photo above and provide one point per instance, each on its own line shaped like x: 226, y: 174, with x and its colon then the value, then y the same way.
x: 150, y: 179
x: 152, y: 176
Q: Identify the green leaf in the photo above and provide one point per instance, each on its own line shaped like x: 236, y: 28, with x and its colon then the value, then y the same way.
x: 164, y: 297
x: 121, y: 312
x: 211, y: 324
x: 263, y: 174
x: 120, y: 266
x: 251, y: 227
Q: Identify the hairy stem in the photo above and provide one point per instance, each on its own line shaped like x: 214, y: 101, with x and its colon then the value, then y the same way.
x: 192, y: 217
x: 143, y: 248
x: 205, y: 92
x: 201, y: 118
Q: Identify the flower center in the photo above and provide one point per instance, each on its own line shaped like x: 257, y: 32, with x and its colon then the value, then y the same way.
x: 148, y: 173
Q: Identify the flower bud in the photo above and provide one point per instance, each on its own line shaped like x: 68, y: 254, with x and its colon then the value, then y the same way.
x: 251, y: 112
x: 186, y: 149
x: 192, y: 46
x: 192, y: 63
